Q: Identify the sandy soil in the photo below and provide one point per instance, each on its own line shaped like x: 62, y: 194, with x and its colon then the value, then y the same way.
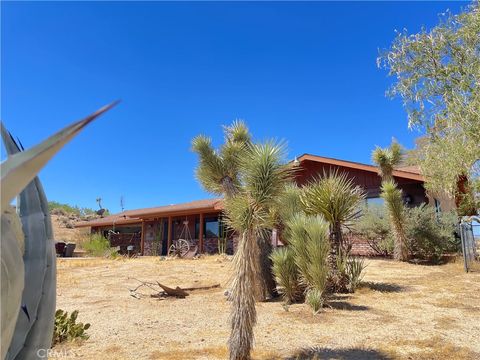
x: 403, y: 311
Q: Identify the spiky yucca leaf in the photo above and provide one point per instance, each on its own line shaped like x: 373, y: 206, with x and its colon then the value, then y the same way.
x: 335, y: 197
x: 309, y: 242
x: 263, y: 179
x: 290, y: 203
x: 387, y: 159
x: 264, y: 173
x: 218, y: 170
x: 237, y: 133
x: 286, y: 274
x: 396, y: 212
x: 315, y: 299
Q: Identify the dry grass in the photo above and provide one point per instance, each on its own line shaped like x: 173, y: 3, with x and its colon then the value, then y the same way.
x: 402, y: 311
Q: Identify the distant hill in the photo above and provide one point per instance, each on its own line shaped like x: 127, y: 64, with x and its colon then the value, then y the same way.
x: 64, y: 217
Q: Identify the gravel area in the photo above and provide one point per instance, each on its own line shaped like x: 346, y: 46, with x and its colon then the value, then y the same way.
x: 403, y: 311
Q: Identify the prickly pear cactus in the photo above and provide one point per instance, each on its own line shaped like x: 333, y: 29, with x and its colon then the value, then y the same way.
x: 28, y: 262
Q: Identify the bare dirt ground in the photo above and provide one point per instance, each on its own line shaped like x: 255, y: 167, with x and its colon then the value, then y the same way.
x: 403, y: 311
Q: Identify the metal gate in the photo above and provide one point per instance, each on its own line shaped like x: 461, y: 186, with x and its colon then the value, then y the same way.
x: 469, y: 241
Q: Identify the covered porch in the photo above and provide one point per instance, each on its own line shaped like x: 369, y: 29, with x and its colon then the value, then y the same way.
x: 205, y: 231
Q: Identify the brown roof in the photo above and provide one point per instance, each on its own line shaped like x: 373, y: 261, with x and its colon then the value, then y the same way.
x: 193, y: 206
x: 410, y: 168
x: 117, y: 219
x: 410, y: 173
x: 136, y: 216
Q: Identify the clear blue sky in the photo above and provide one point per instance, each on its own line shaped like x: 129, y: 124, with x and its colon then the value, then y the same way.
x: 303, y: 72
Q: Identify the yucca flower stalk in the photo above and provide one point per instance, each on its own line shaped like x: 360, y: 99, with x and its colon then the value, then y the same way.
x: 386, y: 160
x: 263, y: 179
x: 338, y: 200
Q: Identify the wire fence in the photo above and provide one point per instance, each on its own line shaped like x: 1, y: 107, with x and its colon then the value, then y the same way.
x: 470, y: 235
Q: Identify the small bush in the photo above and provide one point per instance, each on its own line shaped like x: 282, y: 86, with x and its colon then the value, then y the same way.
x: 374, y: 227
x: 308, y: 238
x: 355, y: 267
x: 286, y: 274
x: 315, y: 300
x: 96, y: 245
x: 67, y: 328
x: 351, y: 268
x: 430, y: 235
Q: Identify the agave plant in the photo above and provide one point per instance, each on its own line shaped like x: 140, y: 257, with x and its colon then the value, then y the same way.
x: 28, y: 273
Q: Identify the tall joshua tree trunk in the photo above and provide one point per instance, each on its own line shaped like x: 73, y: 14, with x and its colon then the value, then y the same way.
x: 265, y: 284
x: 244, y: 316
x: 219, y: 172
x: 387, y: 159
x: 338, y: 281
x: 267, y: 281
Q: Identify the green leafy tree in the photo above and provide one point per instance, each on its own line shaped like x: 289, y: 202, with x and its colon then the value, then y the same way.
x: 386, y: 160
x: 338, y: 200
x: 438, y: 77
x: 250, y: 213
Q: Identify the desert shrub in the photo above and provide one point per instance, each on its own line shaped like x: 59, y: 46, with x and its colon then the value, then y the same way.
x: 314, y: 298
x: 309, y: 241
x: 355, y: 267
x: 351, y: 269
x: 67, y: 329
x: 58, y: 208
x: 96, y: 245
x: 430, y: 235
x: 374, y: 227
x: 286, y: 274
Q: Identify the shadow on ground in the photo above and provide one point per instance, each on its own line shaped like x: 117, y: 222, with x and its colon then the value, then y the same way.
x: 340, y: 354
x: 343, y: 305
x: 383, y: 287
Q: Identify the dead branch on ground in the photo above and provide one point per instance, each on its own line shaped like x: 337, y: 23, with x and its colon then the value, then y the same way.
x: 162, y: 291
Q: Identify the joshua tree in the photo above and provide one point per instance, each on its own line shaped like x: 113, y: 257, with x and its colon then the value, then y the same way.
x: 219, y: 173
x: 218, y: 170
x: 386, y: 160
x: 28, y: 274
x: 249, y: 212
x: 338, y: 200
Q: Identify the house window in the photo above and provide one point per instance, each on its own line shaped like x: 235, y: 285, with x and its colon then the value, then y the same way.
x: 374, y: 201
x: 211, y: 227
x: 438, y: 208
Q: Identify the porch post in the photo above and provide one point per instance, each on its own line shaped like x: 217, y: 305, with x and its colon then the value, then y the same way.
x: 169, y: 236
x: 142, y: 240
x: 200, y: 234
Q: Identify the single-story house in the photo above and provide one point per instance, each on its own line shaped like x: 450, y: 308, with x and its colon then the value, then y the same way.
x: 152, y: 230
